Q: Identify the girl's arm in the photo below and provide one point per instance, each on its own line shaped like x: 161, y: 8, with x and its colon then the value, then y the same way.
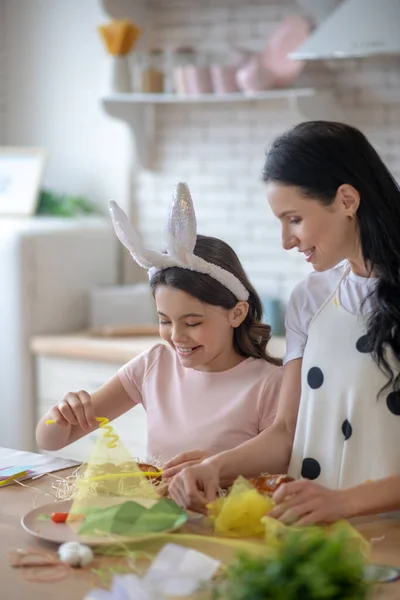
x: 269, y: 452
x: 268, y: 410
x: 110, y: 401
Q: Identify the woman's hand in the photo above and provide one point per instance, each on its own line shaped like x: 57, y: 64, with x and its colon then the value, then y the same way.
x: 181, y: 461
x: 304, y: 502
x: 194, y: 487
x: 74, y: 409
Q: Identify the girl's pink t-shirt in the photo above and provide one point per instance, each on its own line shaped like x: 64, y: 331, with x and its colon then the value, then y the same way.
x: 189, y: 409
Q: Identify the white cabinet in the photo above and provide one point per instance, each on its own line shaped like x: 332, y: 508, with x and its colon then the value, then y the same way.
x: 55, y: 376
x: 47, y: 266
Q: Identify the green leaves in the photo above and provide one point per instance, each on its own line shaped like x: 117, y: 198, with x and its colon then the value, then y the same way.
x: 309, y: 565
x: 63, y: 205
x: 132, y: 519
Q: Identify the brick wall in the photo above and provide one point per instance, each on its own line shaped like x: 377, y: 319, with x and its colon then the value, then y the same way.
x: 219, y: 148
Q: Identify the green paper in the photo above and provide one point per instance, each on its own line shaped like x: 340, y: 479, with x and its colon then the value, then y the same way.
x: 130, y: 518
x: 113, y: 519
x: 160, y: 517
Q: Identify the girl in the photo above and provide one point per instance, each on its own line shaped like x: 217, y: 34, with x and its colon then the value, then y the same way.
x: 338, y: 423
x: 212, y: 385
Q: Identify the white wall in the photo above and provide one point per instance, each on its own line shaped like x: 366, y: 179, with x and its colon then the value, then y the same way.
x: 53, y: 86
x: 219, y: 149
x: 2, y: 71
x: 55, y: 68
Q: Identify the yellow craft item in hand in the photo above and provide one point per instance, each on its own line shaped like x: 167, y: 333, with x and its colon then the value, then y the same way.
x: 109, y: 433
x: 104, y: 424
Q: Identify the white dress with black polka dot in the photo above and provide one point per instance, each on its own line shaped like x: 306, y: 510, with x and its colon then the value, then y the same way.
x: 347, y: 431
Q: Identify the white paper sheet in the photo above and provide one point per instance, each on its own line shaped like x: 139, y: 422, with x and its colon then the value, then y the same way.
x: 39, y: 463
x: 176, y: 571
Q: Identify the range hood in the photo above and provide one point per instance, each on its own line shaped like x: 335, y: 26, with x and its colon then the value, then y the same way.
x: 356, y: 28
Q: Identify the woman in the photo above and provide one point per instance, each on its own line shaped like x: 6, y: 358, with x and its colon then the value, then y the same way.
x: 338, y: 421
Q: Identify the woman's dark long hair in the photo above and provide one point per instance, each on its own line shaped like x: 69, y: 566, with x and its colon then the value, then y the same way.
x: 251, y: 337
x: 318, y: 157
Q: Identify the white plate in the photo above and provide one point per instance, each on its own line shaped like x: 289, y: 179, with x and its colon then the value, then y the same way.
x: 46, y: 529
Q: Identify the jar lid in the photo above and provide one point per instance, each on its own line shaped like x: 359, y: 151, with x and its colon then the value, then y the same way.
x: 184, y: 50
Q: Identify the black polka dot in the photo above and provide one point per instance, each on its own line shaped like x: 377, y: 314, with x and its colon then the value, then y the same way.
x: 364, y: 345
x: 347, y: 429
x: 315, y: 378
x: 393, y: 403
x: 310, y: 468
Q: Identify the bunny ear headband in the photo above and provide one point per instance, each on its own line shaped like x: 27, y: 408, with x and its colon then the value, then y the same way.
x: 180, y: 240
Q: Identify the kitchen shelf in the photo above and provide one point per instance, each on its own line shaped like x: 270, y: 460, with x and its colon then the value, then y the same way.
x: 138, y: 98
x: 138, y: 110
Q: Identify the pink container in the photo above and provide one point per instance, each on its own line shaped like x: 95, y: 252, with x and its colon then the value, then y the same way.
x: 223, y: 79
x: 197, y: 80
x: 253, y: 77
x: 179, y: 81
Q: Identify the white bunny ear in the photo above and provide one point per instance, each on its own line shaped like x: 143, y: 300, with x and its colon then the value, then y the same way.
x: 181, y: 242
x: 181, y: 226
x: 146, y: 258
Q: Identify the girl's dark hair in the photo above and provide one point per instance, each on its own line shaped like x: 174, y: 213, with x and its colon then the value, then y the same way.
x: 318, y: 157
x: 251, y: 337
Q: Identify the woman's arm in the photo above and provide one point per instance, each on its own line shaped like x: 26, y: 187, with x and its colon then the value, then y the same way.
x: 110, y: 401
x: 268, y: 452
x: 374, y: 497
x: 304, y: 502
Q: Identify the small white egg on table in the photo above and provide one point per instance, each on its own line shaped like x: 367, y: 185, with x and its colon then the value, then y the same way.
x: 75, y: 554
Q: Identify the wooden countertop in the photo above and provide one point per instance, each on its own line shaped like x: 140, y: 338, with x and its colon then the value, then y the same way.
x: 83, y: 346
x: 16, y: 501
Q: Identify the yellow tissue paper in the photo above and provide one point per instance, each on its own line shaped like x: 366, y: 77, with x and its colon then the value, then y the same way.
x: 358, y: 542
x: 244, y: 513
x: 239, y: 514
x: 275, y: 530
x: 111, y: 477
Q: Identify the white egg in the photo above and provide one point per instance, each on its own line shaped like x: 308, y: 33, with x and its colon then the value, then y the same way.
x: 75, y: 554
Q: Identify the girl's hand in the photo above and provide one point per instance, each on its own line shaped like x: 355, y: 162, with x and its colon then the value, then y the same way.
x: 306, y: 503
x: 181, y: 461
x: 194, y: 487
x: 74, y: 409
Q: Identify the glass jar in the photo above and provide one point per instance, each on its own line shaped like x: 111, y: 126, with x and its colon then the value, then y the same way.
x: 152, y: 76
x: 183, y: 58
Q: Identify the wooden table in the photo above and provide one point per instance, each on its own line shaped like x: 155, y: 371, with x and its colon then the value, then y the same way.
x: 15, y: 501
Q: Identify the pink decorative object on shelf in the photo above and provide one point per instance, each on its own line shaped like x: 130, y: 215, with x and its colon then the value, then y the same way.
x: 288, y: 36
x: 271, y: 68
x: 179, y: 80
x: 223, y: 79
x: 252, y: 77
x: 197, y: 80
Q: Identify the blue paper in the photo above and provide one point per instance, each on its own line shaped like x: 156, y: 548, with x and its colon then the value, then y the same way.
x: 9, y: 472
